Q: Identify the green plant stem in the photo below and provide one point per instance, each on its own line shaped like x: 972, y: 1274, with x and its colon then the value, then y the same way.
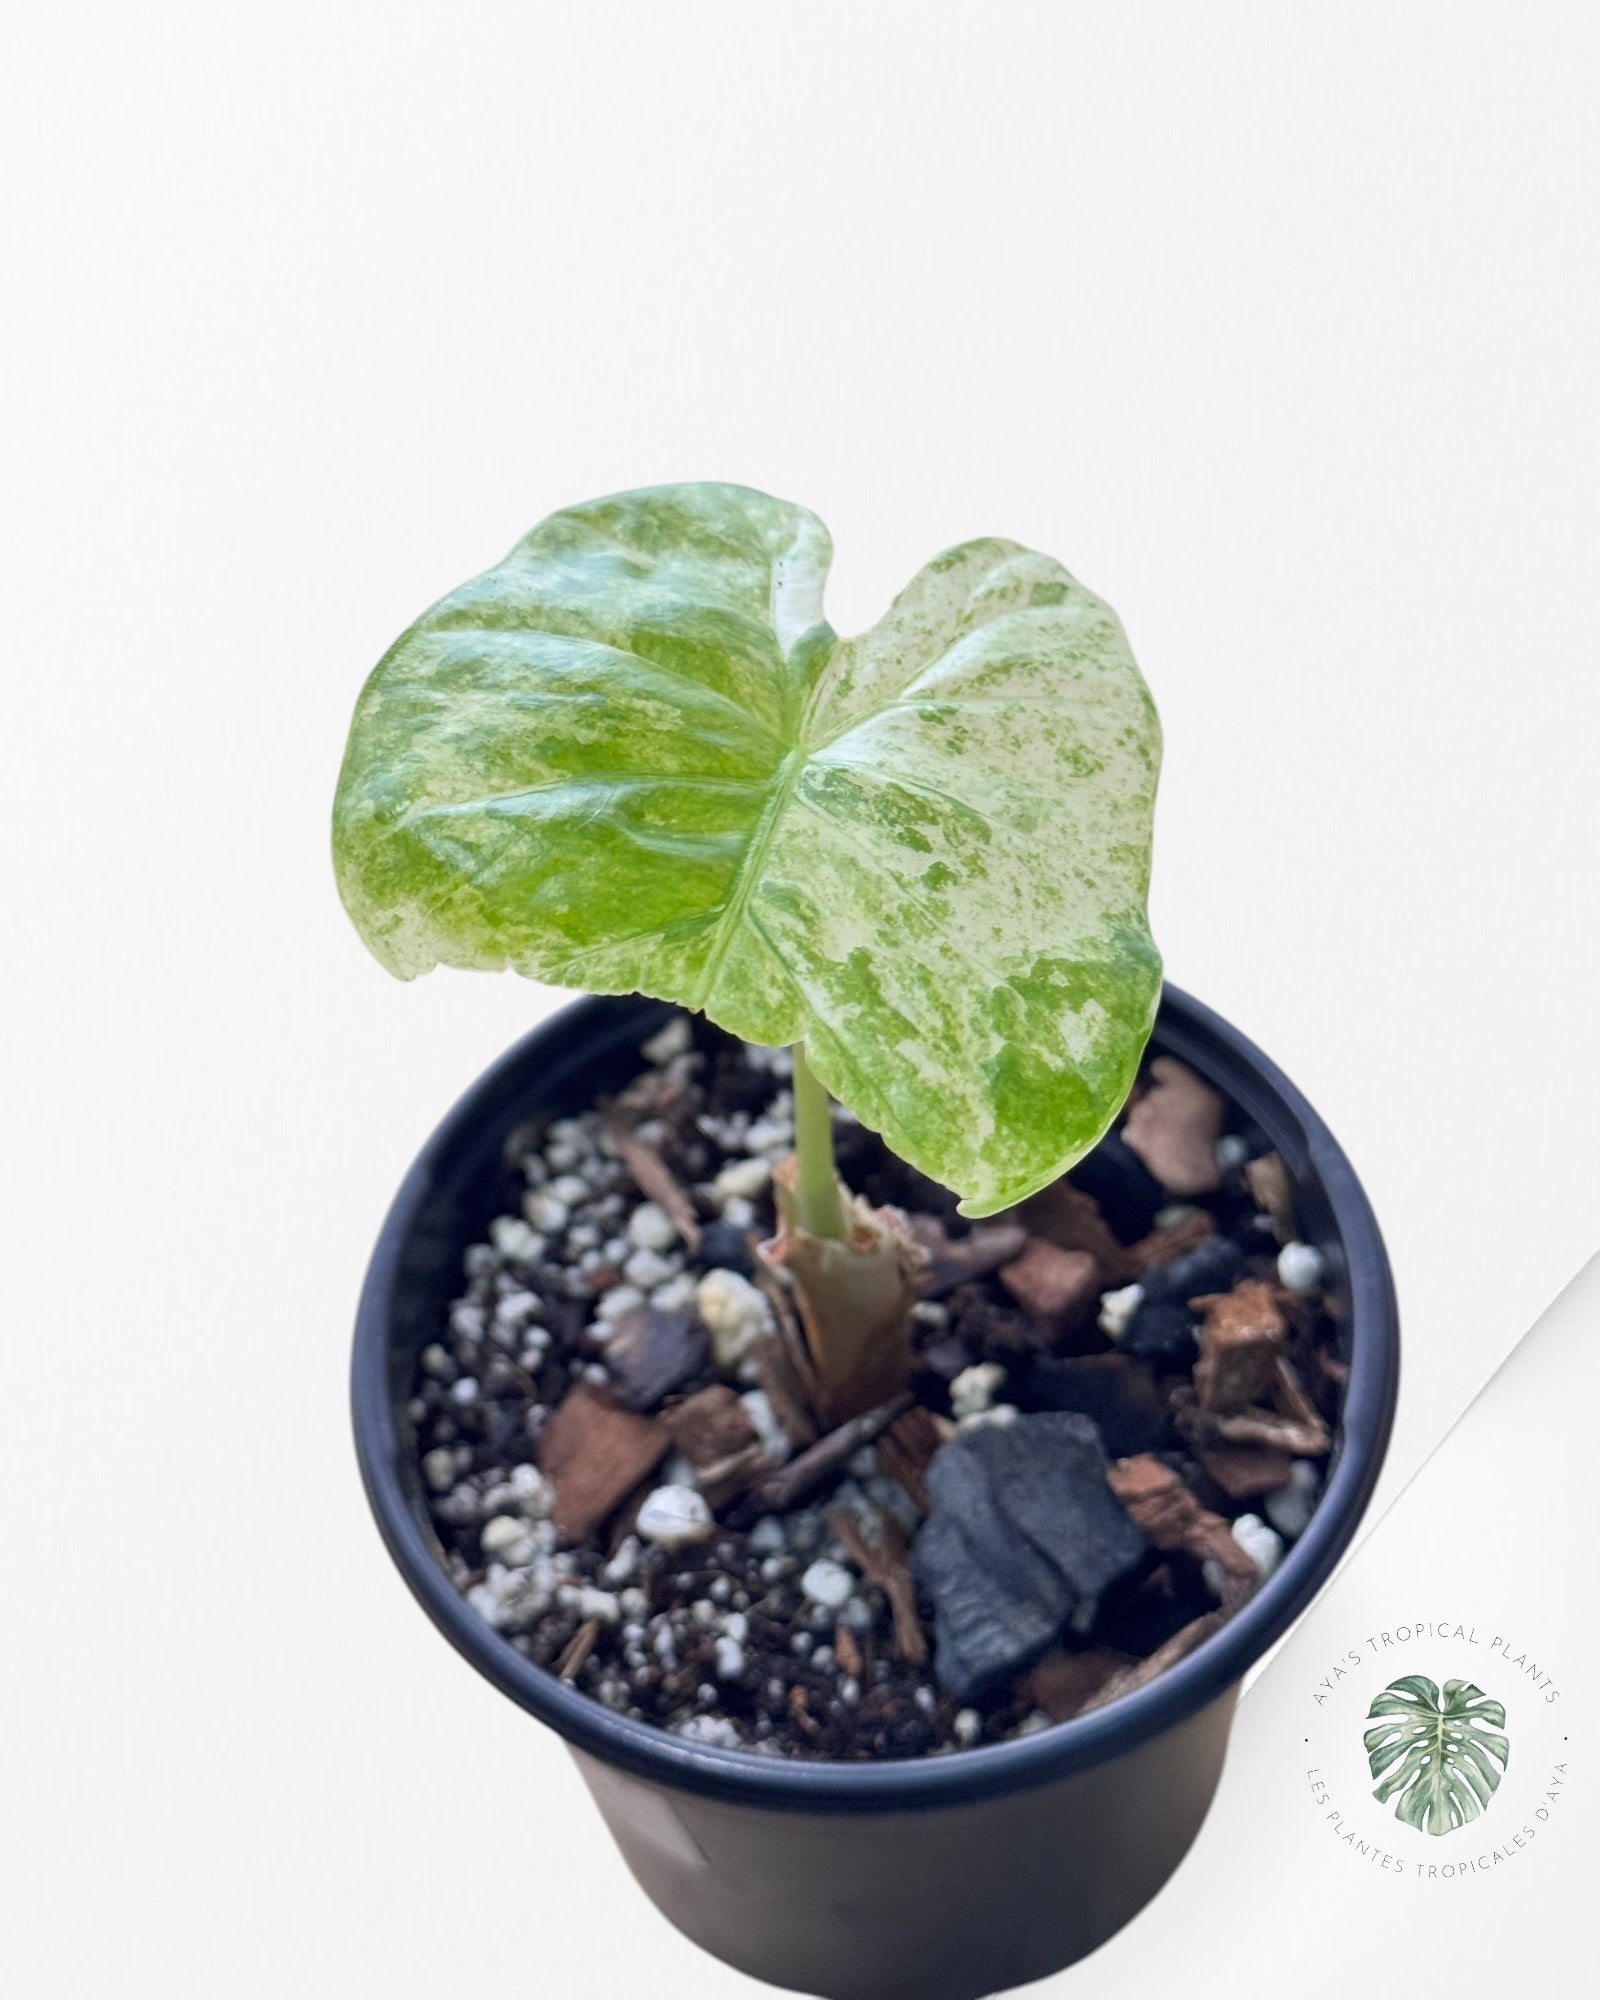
x: 820, y: 1212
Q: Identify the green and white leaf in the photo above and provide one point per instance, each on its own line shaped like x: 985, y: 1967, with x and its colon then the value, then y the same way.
x: 1439, y: 1756
x: 635, y: 757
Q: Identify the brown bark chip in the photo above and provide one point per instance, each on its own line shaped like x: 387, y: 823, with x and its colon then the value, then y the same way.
x: 711, y: 1424
x: 1173, y: 1518
x: 958, y: 1260
x: 1177, y: 1647
x: 713, y: 1431
x: 594, y: 1453
x: 1162, y: 1245
x: 906, y: 1450
x: 1243, y: 1471
x: 846, y: 1651
x: 1241, y: 1344
x: 792, y: 1482
x: 1268, y: 1181
x: 656, y: 1179
x: 1174, y: 1129
x: 886, y: 1564
x: 1058, y: 1289
x: 1061, y: 1683
x: 582, y: 1646
x: 1070, y: 1219
x: 1255, y: 1427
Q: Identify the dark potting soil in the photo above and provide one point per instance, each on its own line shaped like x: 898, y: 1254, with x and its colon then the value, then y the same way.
x: 1125, y: 1396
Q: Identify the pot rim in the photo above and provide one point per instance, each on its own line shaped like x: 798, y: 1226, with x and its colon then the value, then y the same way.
x: 1185, y: 1028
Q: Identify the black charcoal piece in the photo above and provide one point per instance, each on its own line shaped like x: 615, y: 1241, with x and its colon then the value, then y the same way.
x: 1023, y: 1536
x: 1163, y: 1334
x: 1116, y: 1390
x: 1128, y: 1193
x: 1214, y: 1265
x: 722, y: 1247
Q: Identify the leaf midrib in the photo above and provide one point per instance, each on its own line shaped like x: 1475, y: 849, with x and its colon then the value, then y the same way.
x: 762, y: 835
x: 787, y: 775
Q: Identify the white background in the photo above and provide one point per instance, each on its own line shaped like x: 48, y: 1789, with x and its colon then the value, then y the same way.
x: 1277, y: 325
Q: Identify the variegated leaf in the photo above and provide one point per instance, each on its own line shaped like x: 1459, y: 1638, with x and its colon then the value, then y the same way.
x: 634, y: 756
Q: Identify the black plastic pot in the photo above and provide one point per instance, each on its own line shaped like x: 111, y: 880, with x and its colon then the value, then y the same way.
x: 942, y: 1878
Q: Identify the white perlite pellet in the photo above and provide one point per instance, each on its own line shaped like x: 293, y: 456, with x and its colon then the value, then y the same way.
x: 997, y: 1413
x: 715, y: 1730
x: 1259, y: 1543
x: 676, y: 1295
x: 770, y: 1135
x: 651, y: 1228
x: 507, y: 1540
x: 1117, y: 1308
x: 675, y: 1517
x: 665, y: 1043
x: 545, y: 1211
x: 534, y: 1494
x: 1300, y: 1267
x: 648, y: 1268
x: 623, y: 1566
x: 775, y: 1440
x: 973, y: 1390
x: 619, y: 1300
x: 967, y: 1727
x: 466, y: 1320
x: 767, y: 1537
x: 1290, y: 1509
x: 743, y: 1178
x: 829, y: 1584
x: 735, y: 1313
x: 517, y: 1239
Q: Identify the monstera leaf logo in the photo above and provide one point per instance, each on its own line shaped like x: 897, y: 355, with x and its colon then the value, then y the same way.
x: 1438, y: 1756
